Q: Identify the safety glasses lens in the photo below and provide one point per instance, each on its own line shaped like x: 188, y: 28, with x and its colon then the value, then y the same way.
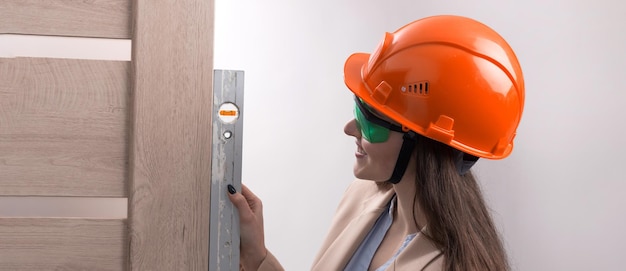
x: 372, y: 132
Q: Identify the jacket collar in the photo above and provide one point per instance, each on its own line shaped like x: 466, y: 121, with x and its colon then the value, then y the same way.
x: 419, y: 253
x: 343, y: 247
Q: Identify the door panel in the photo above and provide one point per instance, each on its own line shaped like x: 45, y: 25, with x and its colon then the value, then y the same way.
x: 63, y: 244
x: 102, y: 18
x: 97, y: 128
x: 64, y: 127
x: 172, y: 67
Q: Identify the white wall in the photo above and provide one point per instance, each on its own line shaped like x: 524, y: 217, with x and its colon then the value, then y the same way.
x: 558, y: 199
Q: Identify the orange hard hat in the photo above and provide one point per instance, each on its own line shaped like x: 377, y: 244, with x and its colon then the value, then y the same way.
x: 449, y: 78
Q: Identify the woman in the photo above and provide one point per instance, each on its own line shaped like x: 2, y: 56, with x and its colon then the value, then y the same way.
x: 436, y: 95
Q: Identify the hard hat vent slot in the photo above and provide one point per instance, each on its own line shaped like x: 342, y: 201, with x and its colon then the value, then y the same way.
x: 418, y: 88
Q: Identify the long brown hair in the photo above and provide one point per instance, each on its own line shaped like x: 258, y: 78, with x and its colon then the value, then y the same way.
x: 458, y: 219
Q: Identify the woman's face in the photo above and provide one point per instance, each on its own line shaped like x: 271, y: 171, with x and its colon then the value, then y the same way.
x: 374, y: 161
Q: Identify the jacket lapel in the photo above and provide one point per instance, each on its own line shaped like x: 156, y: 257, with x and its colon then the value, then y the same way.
x: 420, y: 253
x: 343, y: 247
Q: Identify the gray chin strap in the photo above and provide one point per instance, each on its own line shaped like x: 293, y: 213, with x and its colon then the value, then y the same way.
x: 463, y: 161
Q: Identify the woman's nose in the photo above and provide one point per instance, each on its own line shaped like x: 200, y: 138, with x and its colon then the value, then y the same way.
x: 351, y: 129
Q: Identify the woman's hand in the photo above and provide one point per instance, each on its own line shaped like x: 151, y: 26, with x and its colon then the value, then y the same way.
x: 252, y: 250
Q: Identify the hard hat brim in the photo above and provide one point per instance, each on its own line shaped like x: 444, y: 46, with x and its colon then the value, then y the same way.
x: 353, y: 76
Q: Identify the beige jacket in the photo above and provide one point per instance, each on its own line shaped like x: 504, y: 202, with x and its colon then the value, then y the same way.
x: 361, y: 205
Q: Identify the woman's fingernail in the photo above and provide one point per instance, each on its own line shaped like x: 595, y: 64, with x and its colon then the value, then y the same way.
x: 231, y: 189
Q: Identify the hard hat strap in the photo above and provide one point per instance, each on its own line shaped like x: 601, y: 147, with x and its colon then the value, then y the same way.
x: 408, y: 145
x: 464, y: 161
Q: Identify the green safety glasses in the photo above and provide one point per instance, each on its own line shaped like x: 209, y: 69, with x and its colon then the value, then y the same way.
x: 373, y: 128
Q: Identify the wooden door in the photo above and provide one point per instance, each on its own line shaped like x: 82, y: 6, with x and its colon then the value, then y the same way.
x: 138, y: 129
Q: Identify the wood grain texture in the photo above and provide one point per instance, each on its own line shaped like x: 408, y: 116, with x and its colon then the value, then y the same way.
x: 63, y: 244
x: 171, y: 135
x: 64, y: 127
x: 81, y: 18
